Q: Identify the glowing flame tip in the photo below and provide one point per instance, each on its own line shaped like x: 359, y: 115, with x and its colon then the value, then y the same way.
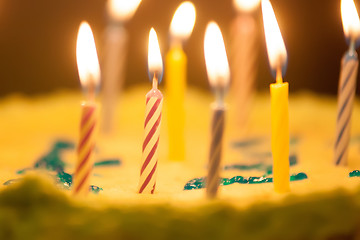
x: 122, y: 10
x: 276, y: 50
x: 246, y: 5
x: 86, y: 56
x: 183, y: 21
x: 350, y: 20
x: 155, y: 63
x: 217, y: 65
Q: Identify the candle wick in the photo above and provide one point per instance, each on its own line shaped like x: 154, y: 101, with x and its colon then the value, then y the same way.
x: 155, y: 81
x: 352, y: 46
x: 91, y: 91
x: 279, y: 75
x: 219, y: 96
x: 176, y: 42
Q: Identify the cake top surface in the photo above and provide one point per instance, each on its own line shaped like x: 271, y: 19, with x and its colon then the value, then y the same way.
x: 34, y: 124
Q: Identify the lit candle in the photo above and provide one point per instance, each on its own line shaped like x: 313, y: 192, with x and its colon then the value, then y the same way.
x: 113, y: 64
x: 347, y: 81
x: 181, y: 27
x: 154, y: 102
x: 243, y: 59
x: 89, y: 74
x: 217, y: 67
x: 279, y: 100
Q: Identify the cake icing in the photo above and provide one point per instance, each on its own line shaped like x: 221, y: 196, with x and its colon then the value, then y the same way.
x: 32, y: 125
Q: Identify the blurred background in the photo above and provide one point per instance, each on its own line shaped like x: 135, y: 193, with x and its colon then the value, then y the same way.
x: 38, y: 38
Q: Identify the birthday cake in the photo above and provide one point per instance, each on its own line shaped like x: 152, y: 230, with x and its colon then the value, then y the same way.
x: 38, y: 158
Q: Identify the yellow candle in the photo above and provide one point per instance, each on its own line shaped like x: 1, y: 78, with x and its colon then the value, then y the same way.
x: 181, y: 27
x: 279, y: 100
x: 280, y: 134
x: 175, y: 73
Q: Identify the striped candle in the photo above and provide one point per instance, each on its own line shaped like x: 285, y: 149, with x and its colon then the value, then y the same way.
x: 89, y: 74
x: 84, y: 165
x: 217, y: 68
x: 217, y: 130
x: 346, y: 95
x: 154, y: 102
x: 347, y: 81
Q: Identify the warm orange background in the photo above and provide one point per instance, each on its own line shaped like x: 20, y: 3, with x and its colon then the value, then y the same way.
x: 37, y: 41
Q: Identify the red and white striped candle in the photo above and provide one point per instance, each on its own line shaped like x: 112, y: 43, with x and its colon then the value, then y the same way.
x: 88, y: 130
x: 154, y: 102
x: 89, y: 74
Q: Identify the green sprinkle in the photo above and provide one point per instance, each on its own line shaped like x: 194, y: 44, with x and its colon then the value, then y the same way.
x: 53, y: 162
x: 95, y: 189
x: 355, y: 173
x: 198, y: 183
x: 259, y: 166
x: 64, y: 179
x: 299, y: 176
x: 22, y: 171
x: 63, y: 145
x: 107, y: 162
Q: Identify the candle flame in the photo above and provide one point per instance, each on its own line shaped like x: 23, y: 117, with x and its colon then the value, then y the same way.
x: 350, y: 19
x: 246, y: 5
x: 155, y: 63
x: 274, y: 42
x: 216, y: 61
x: 122, y: 10
x: 86, y: 56
x: 183, y: 21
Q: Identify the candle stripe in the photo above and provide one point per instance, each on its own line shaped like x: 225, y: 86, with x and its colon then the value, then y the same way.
x: 151, y: 143
x: 348, y: 77
x: 343, y: 107
x: 86, y: 137
x: 148, y: 170
x: 146, y: 182
x: 85, y: 119
x: 154, y: 101
x: 346, y: 94
x: 84, y: 160
x: 148, y: 158
x: 88, y: 130
x: 82, y: 182
x: 151, y: 132
x: 342, y: 132
x: 213, y: 179
x: 152, y: 111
